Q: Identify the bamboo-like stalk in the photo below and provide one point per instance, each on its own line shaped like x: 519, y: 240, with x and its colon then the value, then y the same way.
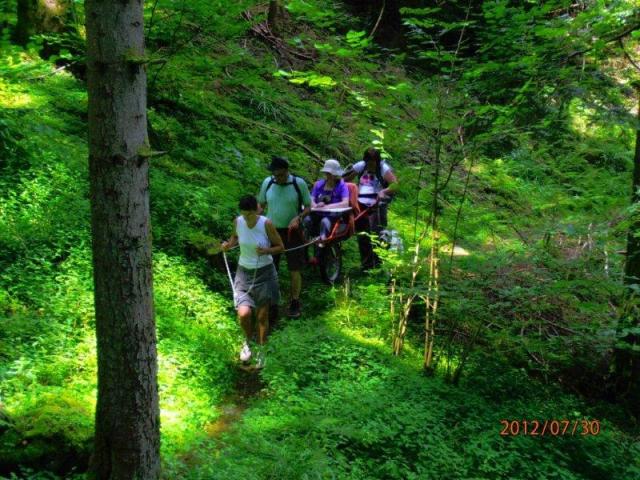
x: 432, y: 303
x: 464, y: 197
x: 392, y: 308
x: 398, y: 341
x: 431, y: 300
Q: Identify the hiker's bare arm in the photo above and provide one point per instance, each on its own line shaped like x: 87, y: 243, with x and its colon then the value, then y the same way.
x: 341, y: 204
x: 316, y: 205
x: 233, y: 239
x: 276, y: 242
x: 349, y: 176
x: 392, y: 181
x: 295, y: 221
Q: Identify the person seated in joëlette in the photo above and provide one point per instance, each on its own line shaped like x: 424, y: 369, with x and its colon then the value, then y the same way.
x: 327, y: 194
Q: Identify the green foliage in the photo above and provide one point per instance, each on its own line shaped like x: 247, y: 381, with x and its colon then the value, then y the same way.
x: 46, y: 430
x: 307, y: 78
x: 368, y: 416
x: 317, y: 13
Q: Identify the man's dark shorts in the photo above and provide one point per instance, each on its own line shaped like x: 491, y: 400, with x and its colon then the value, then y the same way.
x: 295, y: 259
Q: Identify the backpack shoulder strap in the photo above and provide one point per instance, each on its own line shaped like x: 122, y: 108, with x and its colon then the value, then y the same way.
x: 297, y: 187
x: 381, y: 179
x: 271, y: 182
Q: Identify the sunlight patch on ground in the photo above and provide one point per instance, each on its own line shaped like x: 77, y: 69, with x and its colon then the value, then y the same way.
x: 11, y: 97
x: 360, y: 337
x: 457, y: 251
x: 447, y: 364
x: 184, y: 407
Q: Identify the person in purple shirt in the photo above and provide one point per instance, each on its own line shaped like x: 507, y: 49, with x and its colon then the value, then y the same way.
x: 332, y: 192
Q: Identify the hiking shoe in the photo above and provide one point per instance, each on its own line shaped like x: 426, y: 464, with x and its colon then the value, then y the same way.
x: 245, y: 353
x: 261, y: 358
x: 294, y: 309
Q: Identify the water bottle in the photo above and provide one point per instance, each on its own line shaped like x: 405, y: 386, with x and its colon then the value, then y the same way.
x: 395, y: 242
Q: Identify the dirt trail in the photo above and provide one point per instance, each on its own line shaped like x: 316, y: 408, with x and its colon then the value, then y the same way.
x: 247, y: 386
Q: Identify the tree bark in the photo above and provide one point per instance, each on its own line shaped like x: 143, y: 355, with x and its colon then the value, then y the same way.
x: 627, y: 359
x: 276, y: 15
x: 40, y: 16
x: 386, y: 20
x: 632, y: 266
x: 127, y: 436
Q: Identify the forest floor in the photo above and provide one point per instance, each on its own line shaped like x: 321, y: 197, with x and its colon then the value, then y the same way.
x: 333, y: 403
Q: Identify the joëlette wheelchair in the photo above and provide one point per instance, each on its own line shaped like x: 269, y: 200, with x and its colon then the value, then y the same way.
x: 329, y: 253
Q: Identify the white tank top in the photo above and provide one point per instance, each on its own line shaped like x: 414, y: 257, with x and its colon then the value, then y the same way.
x: 249, y: 239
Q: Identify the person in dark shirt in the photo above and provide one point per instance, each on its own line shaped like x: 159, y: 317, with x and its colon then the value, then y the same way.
x: 376, y: 185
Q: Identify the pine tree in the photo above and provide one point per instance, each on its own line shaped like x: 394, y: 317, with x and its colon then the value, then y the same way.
x: 127, y: 415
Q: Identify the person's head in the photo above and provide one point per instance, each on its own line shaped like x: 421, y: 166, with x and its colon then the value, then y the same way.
x: 248, y: 206
x: 372, y: 156
x: 279, y: 168
x: 332, y: 170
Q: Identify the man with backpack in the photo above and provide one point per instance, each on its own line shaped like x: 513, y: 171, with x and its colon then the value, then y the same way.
x: 376, y: 184
x: 287, y: 200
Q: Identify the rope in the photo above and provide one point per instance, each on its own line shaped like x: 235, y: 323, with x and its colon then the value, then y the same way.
x: 226, y: 264
x: 312, y: 241
x: 236, y: 299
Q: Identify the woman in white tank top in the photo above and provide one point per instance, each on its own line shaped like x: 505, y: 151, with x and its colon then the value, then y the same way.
x: 256, y: 282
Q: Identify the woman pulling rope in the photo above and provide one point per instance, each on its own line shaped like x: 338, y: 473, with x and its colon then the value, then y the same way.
x: 256, y: 281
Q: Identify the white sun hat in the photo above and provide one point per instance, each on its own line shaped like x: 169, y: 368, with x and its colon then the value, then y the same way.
x: 333, y: 167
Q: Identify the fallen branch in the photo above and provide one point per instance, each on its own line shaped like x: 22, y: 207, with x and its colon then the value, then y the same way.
x: 57, y: 70
x: 537, y: 360
x: 263, y: 31
x: 375, y: 27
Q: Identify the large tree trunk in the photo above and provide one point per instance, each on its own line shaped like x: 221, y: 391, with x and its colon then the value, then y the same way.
x: 627, y: 359
x: 127, y: 415
x: 40, y: 16
x: 276, y: 15
x: 385, y: 18
x: 632, y: 266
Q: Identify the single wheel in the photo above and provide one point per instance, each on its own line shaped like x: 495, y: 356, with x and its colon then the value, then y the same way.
x: 330, y: 262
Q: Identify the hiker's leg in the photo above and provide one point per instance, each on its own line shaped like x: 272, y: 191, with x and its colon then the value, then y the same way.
x: 244, y: 316
x: 262, y: 312
x: 325, y: 227
x: 296, y: 284
x: 384, y: 208
x: 377, y: 221
x: 310, y: 225
x: 295, y: 261
x: 363, y: 226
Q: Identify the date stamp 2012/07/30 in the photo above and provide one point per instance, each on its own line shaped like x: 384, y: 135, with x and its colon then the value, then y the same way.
x: 550, y: 428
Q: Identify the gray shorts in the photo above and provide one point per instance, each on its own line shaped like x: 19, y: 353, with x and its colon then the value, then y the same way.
x: 256, y: 287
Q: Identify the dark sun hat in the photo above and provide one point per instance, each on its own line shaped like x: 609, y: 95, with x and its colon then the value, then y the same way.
x: 278, y: 163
